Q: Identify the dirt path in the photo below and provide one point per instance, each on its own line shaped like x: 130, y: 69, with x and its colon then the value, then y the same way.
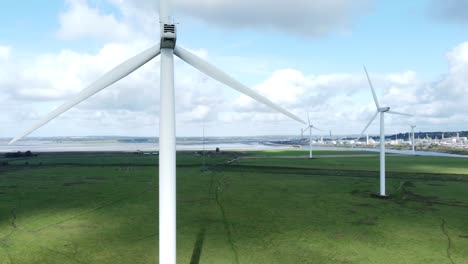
x: 449, y: 240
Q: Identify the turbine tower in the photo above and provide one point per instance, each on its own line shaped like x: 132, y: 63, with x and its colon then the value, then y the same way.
x: 167, y: 48
x: 382, y: 111
x: 310, y: 127
x: 412, y: 140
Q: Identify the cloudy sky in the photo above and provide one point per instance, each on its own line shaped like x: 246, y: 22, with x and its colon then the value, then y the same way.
x: 305, y: 55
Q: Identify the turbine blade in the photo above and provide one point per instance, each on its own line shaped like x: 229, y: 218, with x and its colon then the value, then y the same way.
x: 222, y: 77
x: 368, y: 124
x: 109, y: 78
x: 372, y: 88
x: 398, y: 113
x: 307, y: 128
x: 308, y: 118
x: 165, y: 11
x: 317, y: 128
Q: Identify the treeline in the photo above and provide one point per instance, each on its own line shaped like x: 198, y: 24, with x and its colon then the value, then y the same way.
x: 19, y: 154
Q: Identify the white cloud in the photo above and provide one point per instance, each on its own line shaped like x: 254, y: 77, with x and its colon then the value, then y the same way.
x: 55, y: 76
x: 283, y: 87
x: 82, y: 21
x: 32, y: 85
x: 341, y: 102
x: 301, y: 17
x: 5, y: 52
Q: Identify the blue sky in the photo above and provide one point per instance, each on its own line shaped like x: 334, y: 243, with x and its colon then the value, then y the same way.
x: 390, y: 37
x: 394, y: 39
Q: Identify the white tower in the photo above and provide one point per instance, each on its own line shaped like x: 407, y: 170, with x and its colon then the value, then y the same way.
x: 412, y: 139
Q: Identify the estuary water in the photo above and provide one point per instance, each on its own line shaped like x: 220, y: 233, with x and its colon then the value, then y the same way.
x: 124, y: 144
x: 128, y: 145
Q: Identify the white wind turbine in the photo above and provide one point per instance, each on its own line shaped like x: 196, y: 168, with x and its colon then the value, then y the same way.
x: 382, y: 111
x: 412, y: 139
x: 167, y: 135
x: 310, y: 127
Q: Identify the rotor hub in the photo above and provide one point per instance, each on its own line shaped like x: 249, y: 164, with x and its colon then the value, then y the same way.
x: 168, y: 36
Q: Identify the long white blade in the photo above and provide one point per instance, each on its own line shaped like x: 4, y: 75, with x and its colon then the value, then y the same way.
x: 317, y: 128
x: 222, y: 77
x: 368, y: 124
x: 372, y: 88
x: 308, y: 118
x: 165, y: 11
x: 307, y: 128
x: 109, y: 78
x: 398, y: 113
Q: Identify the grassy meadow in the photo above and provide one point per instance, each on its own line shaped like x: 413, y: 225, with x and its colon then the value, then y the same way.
x: 244, y: 207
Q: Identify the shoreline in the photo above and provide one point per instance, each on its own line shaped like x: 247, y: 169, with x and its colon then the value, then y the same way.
x: 134, y: 148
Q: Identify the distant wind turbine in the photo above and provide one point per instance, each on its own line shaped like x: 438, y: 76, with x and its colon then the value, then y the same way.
x: 310, y: 127
x: 412, y: 139
x: 382, y: 111
x: 204, y: 169
x: 167, y: 137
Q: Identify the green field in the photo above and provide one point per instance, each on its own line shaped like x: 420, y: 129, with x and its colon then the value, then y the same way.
x: 247, y: 207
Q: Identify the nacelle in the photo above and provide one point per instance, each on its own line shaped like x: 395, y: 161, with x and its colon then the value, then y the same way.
x: 168, y: 36
x: 384, y: 109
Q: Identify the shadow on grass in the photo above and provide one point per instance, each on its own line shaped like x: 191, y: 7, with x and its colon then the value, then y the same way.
x: 197, y: 248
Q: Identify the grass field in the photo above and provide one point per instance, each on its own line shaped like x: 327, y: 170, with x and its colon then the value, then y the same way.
x: 248, y: 207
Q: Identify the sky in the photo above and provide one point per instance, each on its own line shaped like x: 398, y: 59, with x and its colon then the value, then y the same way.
x: 305, y: 55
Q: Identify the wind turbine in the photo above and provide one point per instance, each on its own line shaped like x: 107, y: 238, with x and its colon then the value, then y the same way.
x: 167, y: 137
x: 412, y: 139
x: 204, y: 169
x: 310, y: 127
x: 382, y: 111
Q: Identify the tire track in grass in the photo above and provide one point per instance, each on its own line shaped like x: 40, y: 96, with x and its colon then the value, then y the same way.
x: 449, y: 240
x: 13, y: 217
